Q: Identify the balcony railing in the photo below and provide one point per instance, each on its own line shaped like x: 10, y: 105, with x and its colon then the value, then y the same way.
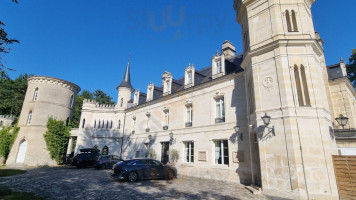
x: 165, y: 127
x: 147, y: 130
x: 188, y: 124
x: 220, y: 120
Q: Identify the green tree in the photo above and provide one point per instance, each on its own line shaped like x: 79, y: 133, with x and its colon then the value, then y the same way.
x: 351, y: 68
x: 7, y: 138
x: 102, y: 98
x: 12, y: 94
x: 56, y: 138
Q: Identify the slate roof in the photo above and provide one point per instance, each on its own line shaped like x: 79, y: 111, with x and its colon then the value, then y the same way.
x: 126, y: 81
x: 204, y: 75
x: 334, y: 71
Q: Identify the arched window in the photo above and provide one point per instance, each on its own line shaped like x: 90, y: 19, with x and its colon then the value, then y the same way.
x: 107, y: 124
x: 99, y: 124
x: 83, y: 124
x: 294, y: 20
x: 105, y: 150
x: 71, y: 101
x: 22, y: 152
x: 119, y: 124
x: 305, y: 86
x: 298, y: 85
x: 29, y: 118
x: 121, y: 102
x: 103, y: 126
x: 110, y: 124
x: 35, y: 95
x: 289, y: 26
x: 95, y: 124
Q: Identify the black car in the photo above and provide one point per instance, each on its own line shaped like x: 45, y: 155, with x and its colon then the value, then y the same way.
x: 86, y: 158
x: 107, y: 161
x: 145, y: 168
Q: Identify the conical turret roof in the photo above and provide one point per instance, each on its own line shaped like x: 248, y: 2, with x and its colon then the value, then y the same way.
x: 126, y: 81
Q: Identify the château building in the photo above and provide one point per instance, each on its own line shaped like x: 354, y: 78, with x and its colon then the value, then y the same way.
x: 265, y: 116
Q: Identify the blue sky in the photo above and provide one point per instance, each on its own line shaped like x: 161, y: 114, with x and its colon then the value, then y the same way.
x: 88, y: 41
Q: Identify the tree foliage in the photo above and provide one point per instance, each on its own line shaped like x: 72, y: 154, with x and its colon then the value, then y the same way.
x: 4, y: 42
x: 12, y: 94
x: 99, y: 96
x: 56, y: 138
x: 7, y: 138
x: 351, y: 68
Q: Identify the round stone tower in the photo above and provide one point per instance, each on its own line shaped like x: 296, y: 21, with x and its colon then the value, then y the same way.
x: 45, y: 97
x: 125, y: 90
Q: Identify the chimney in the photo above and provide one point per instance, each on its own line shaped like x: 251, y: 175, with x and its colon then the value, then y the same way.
x: 228, y: 49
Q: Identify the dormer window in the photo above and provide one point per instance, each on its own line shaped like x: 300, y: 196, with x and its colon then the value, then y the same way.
x: 136, y: 98
x: 150, y: 89
x: 189, y: 76
x: 167, y: 83
x: 218, y: 65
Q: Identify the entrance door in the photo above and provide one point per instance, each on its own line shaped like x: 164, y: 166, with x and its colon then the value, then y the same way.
x: 164, y: 155
x: 22, y: 152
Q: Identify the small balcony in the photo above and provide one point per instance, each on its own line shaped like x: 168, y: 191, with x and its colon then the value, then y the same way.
x: 188, y: 124
x: 133, y: 132
x: 165, y: 127
x: 147, y: 130
x: 219, y: 119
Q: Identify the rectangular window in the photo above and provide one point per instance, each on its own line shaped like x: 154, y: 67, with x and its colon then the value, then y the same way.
x: 220, y: 110
x: 189, y: 116
x: 221, y: 152
x: 189, y: 152
x: 218, y: 66
x: 190, y: 78
x: 166, y: 120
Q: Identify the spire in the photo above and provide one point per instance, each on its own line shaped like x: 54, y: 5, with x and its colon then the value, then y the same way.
x: 126, y: 81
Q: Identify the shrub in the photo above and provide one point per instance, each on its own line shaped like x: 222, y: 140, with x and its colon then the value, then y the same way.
x: 56, y: 138
x: 152, y: 154
x: 7, y: 138
x: 173, y: 155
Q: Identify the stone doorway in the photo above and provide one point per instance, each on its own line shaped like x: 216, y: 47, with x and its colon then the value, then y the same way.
x: 22, y: 152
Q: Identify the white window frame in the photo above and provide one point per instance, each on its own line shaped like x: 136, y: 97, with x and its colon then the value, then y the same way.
x: 189, y: 152
x: 166, y: 118
x: 190, y: 77
x: 189, y: 113
x: 35, y: 95
x: 221, y: 154
x: 29, y: 118
x: 219, y: 66
x: 220, y: 107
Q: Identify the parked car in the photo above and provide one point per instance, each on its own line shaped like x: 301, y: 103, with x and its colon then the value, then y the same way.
x: 86, y: 158
x: 144, y: 168
x: 107, y: 161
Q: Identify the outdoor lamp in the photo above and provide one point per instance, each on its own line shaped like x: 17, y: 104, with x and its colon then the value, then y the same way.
x: 171, y: 135
x: 149, y: 136
x: 266, y: 119
x: 239, y: 136
x: 342, y: 121
x: 237, y: 128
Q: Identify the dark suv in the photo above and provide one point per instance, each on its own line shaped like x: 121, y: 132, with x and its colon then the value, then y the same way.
x: 145, y: 168
x: 86, y: 158
x: 107, y: 161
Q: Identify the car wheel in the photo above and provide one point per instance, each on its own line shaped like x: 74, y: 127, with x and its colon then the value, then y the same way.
x: 102, y: 166
x: 170, y: 175
x: 132, y: 177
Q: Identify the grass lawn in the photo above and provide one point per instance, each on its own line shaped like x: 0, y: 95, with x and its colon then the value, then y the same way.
x: 7, y: 194
x: 10, y: 172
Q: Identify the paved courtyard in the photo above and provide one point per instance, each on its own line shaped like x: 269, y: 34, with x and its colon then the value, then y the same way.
x: 72, y: 183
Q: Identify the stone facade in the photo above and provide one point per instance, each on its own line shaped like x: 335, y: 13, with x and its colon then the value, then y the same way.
x: 213, y: 116
x: 45, y: 97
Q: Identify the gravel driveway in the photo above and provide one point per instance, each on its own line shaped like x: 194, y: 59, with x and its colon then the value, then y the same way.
x: 72, y: 183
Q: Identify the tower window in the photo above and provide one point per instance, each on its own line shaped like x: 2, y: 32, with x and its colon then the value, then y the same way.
x: 291, y: 23
x: 121, y: 102
x: 95, y: 124
x: 83, y: 124
x: 35, y: 95
x: 119, y: 124
x: 29, y: 118
x: 301, y: 85
x: 71, y: 101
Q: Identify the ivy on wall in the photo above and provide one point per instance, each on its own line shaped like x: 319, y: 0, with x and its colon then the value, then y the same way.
x: 7, y: 138
x: 56, y: 138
